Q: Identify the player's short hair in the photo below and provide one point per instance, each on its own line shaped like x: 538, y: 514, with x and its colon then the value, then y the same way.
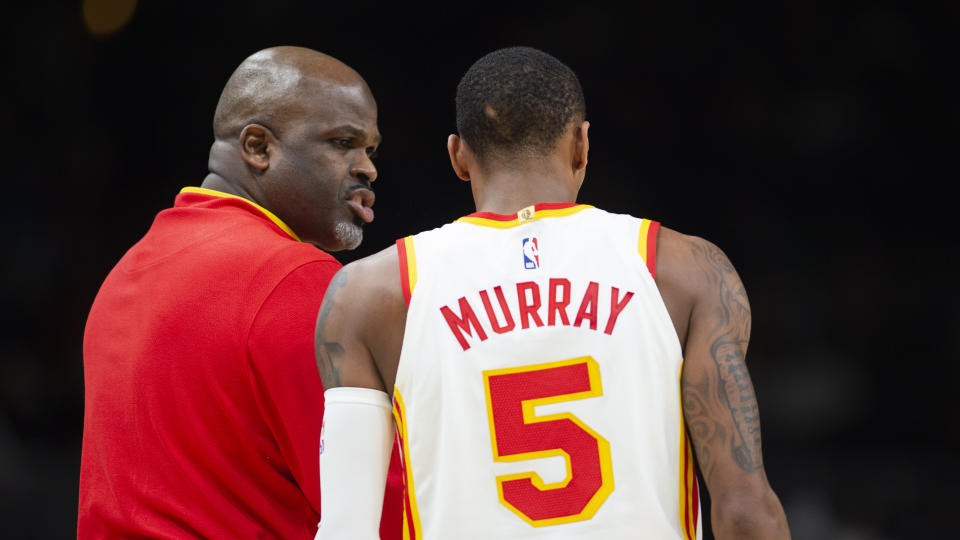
x: 517, y: 101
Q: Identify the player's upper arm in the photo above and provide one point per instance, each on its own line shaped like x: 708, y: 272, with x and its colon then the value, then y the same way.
x: 718, y: 399
x: 709, y: 305
x: 360, y: 324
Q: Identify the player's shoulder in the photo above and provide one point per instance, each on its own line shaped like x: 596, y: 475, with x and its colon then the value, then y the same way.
x: 677, y: 247
x: 453, y: 229
x: 368, y: 290
x: 690, y: 264
x: 677, y: 243
x: 384, y: 262
x: 374, y: 276
x: 686, y: 248
x: 601, y: 217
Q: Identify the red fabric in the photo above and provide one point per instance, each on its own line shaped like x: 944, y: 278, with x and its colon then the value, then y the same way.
x: 203, y: 402
x: 404, y: 270
x: 652, y: 248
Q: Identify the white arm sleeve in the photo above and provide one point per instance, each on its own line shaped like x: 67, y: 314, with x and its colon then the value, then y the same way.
x: 355, y: 445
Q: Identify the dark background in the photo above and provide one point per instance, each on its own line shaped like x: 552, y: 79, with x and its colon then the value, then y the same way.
x: 814, y: 141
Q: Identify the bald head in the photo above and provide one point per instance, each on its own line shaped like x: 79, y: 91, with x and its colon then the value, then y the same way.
x: 295, y: 131
x: 269, y: 87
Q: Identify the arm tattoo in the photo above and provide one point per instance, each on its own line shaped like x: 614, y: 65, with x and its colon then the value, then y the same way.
x: 728, y: 390
x: 326, y: 351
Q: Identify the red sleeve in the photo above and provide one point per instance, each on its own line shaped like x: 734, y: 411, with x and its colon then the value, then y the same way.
x: 290, y: 392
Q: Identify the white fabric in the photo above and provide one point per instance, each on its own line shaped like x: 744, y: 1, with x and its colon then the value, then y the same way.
x: 355, y: 445
x: 447, y: 420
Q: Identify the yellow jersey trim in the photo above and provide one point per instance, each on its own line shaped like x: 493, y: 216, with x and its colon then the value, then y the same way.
x: 642, y: 241
x: 411, y: 264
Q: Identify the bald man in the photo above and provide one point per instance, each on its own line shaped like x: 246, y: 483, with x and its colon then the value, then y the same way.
x: 203, y: 402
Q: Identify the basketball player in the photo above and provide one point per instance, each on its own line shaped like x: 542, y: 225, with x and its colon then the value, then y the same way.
x: 549, y: 363
x: 201, y: 389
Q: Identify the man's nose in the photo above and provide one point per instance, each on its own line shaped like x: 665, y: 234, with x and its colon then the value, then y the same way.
x: 364, y: 170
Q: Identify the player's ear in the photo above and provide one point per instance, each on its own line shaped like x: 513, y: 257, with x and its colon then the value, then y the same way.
x: 256, y: 142
x: 581, y: 146
x: 460, y: 157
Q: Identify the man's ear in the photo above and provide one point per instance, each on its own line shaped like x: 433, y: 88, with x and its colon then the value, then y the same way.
x: 581, y: 146
x: 461, y: 159
x: 256, y: 143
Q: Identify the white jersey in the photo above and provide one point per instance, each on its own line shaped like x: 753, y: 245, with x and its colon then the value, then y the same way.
x: 537, y: 394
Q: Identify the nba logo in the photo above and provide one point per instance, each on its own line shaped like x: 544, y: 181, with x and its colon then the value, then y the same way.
x: 531, y: 254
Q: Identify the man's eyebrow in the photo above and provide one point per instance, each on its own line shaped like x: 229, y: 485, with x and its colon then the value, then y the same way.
x: 359, y: 133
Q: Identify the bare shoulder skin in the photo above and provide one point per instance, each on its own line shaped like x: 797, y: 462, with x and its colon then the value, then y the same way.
x: 360, y: 324
x: 711, y: 313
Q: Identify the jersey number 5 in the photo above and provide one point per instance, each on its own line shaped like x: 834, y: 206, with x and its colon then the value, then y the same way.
x: 518, y: 434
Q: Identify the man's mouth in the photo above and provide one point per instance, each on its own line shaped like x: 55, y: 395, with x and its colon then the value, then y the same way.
x: 361, y: 201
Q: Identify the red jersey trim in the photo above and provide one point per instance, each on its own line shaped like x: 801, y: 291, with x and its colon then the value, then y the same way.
x: 526, y: 215
x: 266, y: 213
x: 689, y: 488
x: 412, y: 528
x: 408, y: 267
x: 647, y: 244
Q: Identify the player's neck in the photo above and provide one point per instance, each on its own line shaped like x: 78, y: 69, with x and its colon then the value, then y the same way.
x: 509, y: 192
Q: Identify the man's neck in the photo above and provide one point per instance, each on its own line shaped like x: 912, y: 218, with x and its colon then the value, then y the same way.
x: 218, y: 183
x: 227, y: 172
x: 508, y: 192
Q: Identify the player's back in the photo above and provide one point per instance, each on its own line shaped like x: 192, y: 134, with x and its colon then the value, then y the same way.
x: 537, y: 394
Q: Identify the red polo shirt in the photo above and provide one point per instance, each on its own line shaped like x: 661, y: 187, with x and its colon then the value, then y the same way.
x: 203, y: 405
